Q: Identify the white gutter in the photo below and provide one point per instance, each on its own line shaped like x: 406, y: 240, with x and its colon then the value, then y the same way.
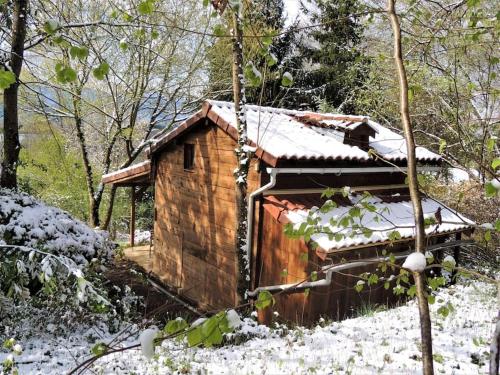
x: 350, y: 170
x: 329, y: 270
x: 273, y: 172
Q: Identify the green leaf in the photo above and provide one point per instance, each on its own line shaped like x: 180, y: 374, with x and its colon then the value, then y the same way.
x: 123, y: 45
x: 267, y: 40
x: 206, y: 2
x: 431, y: 299
x: 398, y: 289
x: 304, y: 257
x: 430, y: 220
x: 209, y: 326
x: 252, y: 75
x: 411, y: 94
x: 78, y: 52
x: 9, y: 343
x: 175, y: 326
x: 219, y: 30
x: 444, y: 311
x: 495, y: 163
x: 146, y: 7
x: 287, y: 79
x: 497, y: 225
x: 264, y: 299
x: 127, y: 17
x: 490, y: 144
x: 306, y: 292
x: 355, y: 212
x: 101, y: 71
x: 412, y: 290
x: 442, y: 146
x: 194, y: 336
x: 271, y: 59
x: 50, y: 26
x: 394, y: 235
x: 314, y: 276
x: 328, y: 193
x: 473, y: 3
x: 420, y: 179
x: 438, y: 358
x: 99, y: 348
x: 7, y: 78
x: 64, y: 73
x: 359, y: 286
x: 487, y: 236
x: 372, y: 279
x: 491, y: 190
x: 344, y: 222
x: 284, y: 273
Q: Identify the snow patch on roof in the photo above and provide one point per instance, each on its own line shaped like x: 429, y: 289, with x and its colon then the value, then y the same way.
x: 387, y: 218
x: 277, y: 132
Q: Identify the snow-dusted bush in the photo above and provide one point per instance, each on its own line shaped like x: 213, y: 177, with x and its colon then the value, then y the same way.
x: 47, y: 254
x: 25, y: 221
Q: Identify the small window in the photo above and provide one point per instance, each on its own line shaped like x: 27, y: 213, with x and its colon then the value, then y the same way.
x: 188, y: 156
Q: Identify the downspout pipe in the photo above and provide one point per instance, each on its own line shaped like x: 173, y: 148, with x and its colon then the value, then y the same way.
x: 250, y: 211
x: 329, y: 270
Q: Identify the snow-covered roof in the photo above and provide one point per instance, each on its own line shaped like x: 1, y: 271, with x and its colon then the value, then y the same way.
x: 281, y: 134
x: 134, y: 174
x: 393, y: 213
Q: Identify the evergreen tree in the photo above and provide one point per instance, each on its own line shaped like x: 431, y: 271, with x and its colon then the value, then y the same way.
x: 262, y: 17
x: 332, y: 67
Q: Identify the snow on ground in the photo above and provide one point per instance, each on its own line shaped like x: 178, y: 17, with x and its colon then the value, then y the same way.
x: 142, y: 237
x: 386, y: 342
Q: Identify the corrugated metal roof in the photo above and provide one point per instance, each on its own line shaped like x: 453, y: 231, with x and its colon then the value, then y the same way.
x: 393, y: 212
x: 281, y: 134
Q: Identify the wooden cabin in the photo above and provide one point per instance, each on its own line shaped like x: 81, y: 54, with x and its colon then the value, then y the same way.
x: 297, y: 155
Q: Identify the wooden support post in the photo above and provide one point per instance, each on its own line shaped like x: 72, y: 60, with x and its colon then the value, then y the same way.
x: 132, y: 216
x: 456, y: 255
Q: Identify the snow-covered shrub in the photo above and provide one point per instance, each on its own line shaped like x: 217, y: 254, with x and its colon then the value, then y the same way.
x: 25, y: 221
x: 51, y: 259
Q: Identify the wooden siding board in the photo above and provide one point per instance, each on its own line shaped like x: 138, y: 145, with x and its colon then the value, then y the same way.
x: 198, y: 209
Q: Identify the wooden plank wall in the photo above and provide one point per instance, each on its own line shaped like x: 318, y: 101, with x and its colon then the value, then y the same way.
x: 195, y: 218
x: 295, y: 181
x: 337, y: 301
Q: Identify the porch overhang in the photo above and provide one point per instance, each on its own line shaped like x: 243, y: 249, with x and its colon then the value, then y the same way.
x: 135, y: 175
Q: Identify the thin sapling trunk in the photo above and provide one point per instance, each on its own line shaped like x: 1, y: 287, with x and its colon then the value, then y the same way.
x: 423, y: 306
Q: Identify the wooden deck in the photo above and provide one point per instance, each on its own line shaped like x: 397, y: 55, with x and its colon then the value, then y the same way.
x: 140, y: 255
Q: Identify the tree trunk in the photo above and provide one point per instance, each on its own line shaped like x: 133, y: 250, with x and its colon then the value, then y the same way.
x: 89, y: 177
x: 241, y: 171
x: 11, y: 145
x: 109, y: 211
x: 423, y: 306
